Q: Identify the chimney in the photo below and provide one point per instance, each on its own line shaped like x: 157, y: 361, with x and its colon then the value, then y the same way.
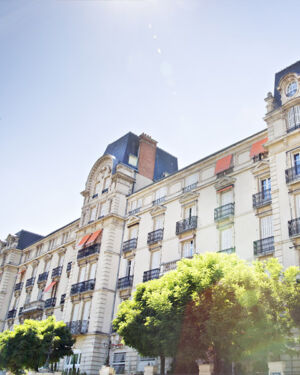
x: 147, y: 153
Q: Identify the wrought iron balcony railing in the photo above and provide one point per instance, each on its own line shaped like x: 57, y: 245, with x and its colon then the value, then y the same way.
x: 292, y: 174
x: 88, y: 251
x: 158, y: 201
x: 125, y: 282
x: 11, y: 314
x: 69, y: 267
x: 292, y: 128
x: 33, y: 306
x: 224, y: 212
x: 264, y: 246
x: 56, y: 272
x: 78, y: 327
x: 129, y: 245
x: 186, y: 224
x: 262, y: 198
x: 82, y: 287
x: 104, y: 191
x: 94, y: 196
x: 170, y: 266
x: 190, y: 187
x: 62, y: 299
x: 20, y: 311
x: 30, y: 282
x: 294, y: 227
x: 151, y: 274
x: 155, y: 236
x: 18, y: 286
x: 50, y: 302
x: 43, y: 277
x: 230, y: 250
x: 135, y: 211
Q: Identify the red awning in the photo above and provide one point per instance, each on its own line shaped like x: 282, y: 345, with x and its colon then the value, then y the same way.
x: 84, y: 239
x: 225, y: 188
x: 21, y: 272
x: 223, y: 164
x: 94, y: 237
x: 49, y: 286
x: 258, y: 147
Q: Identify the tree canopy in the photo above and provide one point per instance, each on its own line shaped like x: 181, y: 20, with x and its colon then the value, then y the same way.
x: 31, y: 344
x: 214, y: 307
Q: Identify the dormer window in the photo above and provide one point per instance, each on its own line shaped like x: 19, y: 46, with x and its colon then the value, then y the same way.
x: 291, y: 89
x: 294, y: 118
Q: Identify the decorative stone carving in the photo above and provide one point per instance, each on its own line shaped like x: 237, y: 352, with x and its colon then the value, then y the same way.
x: 224, y: 182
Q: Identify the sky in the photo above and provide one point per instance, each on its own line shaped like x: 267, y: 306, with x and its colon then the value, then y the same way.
x: 75, y: 75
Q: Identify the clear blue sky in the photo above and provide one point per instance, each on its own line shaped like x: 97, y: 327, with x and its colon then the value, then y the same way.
x: 77, y: 74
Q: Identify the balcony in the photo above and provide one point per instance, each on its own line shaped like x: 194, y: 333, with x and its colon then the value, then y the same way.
x: 231, y: 250
x: 129, y: 245
x: 151, y: 274
x: 224, y: 212
x: 191, y: 187
x: 125, y: 282
x: 135, y: 211
x: 30, y: 282
x: 294, y: 227
x: 82, y: 287
x: 293, y: 127
x: 170, y: 266
x: 104, y: 191
x: 32, y: 307
x: 264, y: 246
x: 158, y: 201
x: 56, y: 272
x: 155, y: 236
x: 62, y: 299
x: 50, y: 302
x: 88, y: 251
x: 186, y: 224
x: 69, y: 267
x: 43, y: 277
x: 262, y: 198
x: 18, y: 287
x: 12, y: 314
x: 20, y: 311
x: 78, y: 327
x: 292, y: 174
x: 94, y: 196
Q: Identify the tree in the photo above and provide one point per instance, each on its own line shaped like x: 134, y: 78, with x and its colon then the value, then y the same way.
x: 31, y: 344
x: 215, y: 307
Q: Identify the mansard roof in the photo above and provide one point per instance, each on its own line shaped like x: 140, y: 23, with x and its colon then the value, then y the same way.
x: 294, y: 68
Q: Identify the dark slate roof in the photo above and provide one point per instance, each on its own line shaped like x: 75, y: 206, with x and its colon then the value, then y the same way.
x: 129, y: 144
x: 294, y: 68
x: 27, y: 238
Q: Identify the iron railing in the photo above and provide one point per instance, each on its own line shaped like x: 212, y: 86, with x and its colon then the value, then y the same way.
x: 78, y: 327
x: 130, y: 245
x: 88, y: 251
x: 151, y: 274
x: 30, y: 282
x: 264, y: 246
x: 20, y: 311
x: 125, y: 282
x: 170, y: 266
x: 292, y: 174
x: 224, y: 211
x: 69, y: 267
x: 230, y: 250
x: 94, y: 195
x: 292, y: 128
x: 294, y: 227
x: 135, y: 211
x: 262, y: 198
x: 158, y: 201
x: 18, y: 286
x: 43, y: 277
x: 186, y: 224
x: 33, y: 306
x: 62, y: 299
x: 155, y: 236
x: 11, y: 314
x: 104, y: 191
x: 189, y: 187
x: 56, y: 272
x: 82, y: 287
x: 50, y: 302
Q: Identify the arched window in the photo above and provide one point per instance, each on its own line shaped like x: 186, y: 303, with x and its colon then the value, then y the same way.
x: 294, y: 118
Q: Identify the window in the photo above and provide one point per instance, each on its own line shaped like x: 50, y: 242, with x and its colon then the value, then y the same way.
x: 34, y: 269
x: 133, y: 160
x: 226, y: 197
x: 128, y: 268
x: 266, y: 227
x: 226, y: 239
x: 265, y: 184
x: 102, y: 210
x: 158, y: 222
x: 86, y: 310
x: 82, y: 271
x: 160, y: 195
x: 65, y: 237
x: 27, y: 299
x: 291, y: 89
x: 294, y: 118
x: 72, y: 362
x: 188, y: 249
x: 297, y: 204
x: 297, y: 163
x: 47, y: 265
x: 51, y: 244
x: 93, y: 214
x: 133, y: 231
x: 119, y: 362
x: 155, y: 260
x: 75, y: 312
x: 40, y: 294
x: 93, y: 271
x: 61, y: 259
x: 106, y: 183
x: 191, y: 180
x: 189, y: 212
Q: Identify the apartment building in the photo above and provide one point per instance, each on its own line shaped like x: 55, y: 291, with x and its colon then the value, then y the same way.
x: 140, y: 215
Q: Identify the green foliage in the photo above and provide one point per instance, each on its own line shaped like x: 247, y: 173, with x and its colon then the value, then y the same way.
x: 29, y: 345
x: 215, y: 307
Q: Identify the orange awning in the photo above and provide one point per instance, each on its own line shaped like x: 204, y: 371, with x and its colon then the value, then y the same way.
x: 21, y: 272
x: 225, y: 189
x: 84, y: 239
x: 94, y: 237
x: 223, y: 164
x: 49, y: 286
x: 258, y: 147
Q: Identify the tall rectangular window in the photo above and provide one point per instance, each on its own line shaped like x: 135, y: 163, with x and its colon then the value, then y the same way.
x: 297, y: 202
x: 226, y: 197
x: 227, y: 239
x: 266, y: 227
x: 158, y: 222
x: 119, y: 362
x: 188, y: 249
x: 155, y: 260
x: 265, y: 184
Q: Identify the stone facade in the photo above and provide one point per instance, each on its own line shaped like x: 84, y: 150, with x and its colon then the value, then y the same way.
x: 141, y: 215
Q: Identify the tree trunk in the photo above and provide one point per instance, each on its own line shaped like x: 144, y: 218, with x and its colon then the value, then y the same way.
x: 162, y: 364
